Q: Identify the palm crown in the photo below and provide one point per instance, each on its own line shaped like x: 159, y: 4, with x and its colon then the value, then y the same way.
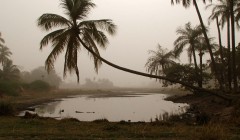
x: 72, y: 31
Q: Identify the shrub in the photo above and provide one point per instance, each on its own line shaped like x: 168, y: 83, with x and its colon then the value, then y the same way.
x: 9, y: 88
x: 39, y: 85
x: 6, y: 109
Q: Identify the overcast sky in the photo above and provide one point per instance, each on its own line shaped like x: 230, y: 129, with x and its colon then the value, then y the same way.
x: 142, y: 24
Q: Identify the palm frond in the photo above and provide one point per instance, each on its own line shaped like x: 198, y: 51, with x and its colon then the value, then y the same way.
x: 49, y: 21
x: 59, y: 44
x: 50, y: 37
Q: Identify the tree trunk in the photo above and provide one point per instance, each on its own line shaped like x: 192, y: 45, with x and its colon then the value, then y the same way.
x: 229, y: 55
x: 201, y: 68
x: 149, y: 75
x: 220, y: 40
x: 233, y: 48
x: 208, y: 44
x: 196, y: 66
x: 221, y: 52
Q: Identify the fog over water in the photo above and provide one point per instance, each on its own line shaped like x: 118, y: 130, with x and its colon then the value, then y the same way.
x: 142, y: 24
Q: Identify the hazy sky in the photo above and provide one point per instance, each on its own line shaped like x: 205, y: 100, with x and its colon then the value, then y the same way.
x: 142, y: 24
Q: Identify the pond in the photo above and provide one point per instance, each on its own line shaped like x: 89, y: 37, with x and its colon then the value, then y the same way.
x: 131, y: 107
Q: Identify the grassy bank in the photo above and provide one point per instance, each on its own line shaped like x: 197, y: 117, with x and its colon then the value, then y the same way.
x: 40, y: 129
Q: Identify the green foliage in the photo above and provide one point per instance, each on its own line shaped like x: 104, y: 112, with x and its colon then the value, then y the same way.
x: 185, y: 73
x: 9, y: 88
x: 6, y: 109
x: 38, y: 85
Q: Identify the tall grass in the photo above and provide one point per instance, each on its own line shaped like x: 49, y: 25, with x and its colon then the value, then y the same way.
x: 211, y: 132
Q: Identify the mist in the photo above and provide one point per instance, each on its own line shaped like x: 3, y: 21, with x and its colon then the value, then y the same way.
x: 141, y: 26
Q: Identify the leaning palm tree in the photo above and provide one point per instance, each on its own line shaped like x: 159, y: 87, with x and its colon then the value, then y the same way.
x: 188, y: 37
x: 187, y: 3
x: 159, y: 60
x: 5, y: 54
x: 73, y: 33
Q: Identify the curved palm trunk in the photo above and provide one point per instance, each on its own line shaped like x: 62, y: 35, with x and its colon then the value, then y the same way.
x: 229, y: 55
x: 208, y: 44
x: 233, y: 48
x: 149, y: 75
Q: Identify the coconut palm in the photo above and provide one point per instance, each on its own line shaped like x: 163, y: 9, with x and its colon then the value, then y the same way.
x: 5, y: 54
x: 232, y: 6
x: 74, y: 31
x: 188, y: 37
x: 159, y: 61
x: 9, y: 71
x: 201, y: 48
x: 222, y: 10
x: 187, y: 3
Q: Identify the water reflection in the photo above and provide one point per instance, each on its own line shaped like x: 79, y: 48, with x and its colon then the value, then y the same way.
x: 134, y: 108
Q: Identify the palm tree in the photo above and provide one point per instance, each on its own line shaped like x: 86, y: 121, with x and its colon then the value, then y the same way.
x: 232, y: 6
x: 10, y: 71
x: 5, y: 54
x: 74, y: 32
x: 160, y: 60
x: 221, y: 10
x: 188, y: 37
x: 201, y: 47
x: 187, y: 3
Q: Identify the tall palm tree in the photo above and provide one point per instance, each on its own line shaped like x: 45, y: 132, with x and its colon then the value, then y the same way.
x: 221, y: 10
x: 188, y: 37
x: 10, y: 71
x: 232, y: 6
x: 187, y: 3
x: 5, y: 54
x: 159, y: 61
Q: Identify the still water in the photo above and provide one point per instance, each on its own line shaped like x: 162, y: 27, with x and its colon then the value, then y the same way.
x: 138, y: 107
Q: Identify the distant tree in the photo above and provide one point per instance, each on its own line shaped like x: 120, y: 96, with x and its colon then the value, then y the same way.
x: 159, y: 60
x: 41, y: 74
x: 99, y: 84
x: 10, y: 72
x: 5, y: 54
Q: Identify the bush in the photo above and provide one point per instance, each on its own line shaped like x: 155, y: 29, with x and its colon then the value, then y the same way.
x: 6, y: 109
x: 9, y: 88
x: 39, y: 85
